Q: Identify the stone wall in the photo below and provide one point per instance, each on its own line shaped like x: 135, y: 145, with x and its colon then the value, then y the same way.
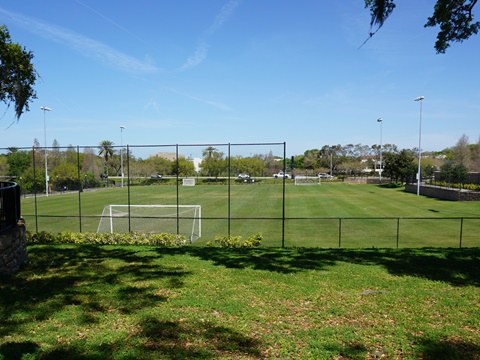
x: 13, y: 250
x: 443, y: 193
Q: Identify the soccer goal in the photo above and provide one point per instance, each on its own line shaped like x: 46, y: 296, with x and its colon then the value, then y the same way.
x: 183, y: 220
x: 188, y: 182
x: 307, y: 180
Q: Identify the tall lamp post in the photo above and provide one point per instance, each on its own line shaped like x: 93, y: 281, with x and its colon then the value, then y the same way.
x: 419, y: 99
x: 380, y: 120
x: 121, y: 150
x: 44, y: 108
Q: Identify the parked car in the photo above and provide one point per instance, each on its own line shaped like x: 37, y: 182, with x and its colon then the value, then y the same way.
x: 243, y: 176
x: 158, y: 176
x: 281, y: 175
x: 325, y: 176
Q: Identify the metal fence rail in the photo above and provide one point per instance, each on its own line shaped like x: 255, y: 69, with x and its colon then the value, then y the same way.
x: 344, y: 232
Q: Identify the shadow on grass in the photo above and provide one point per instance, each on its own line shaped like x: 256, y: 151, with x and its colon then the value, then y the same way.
x: 74, y: 276
x: 196, y: 340
x: 447, y: 349
x: 93, y: 280
x: 459, y: 267
x: 61, y: 276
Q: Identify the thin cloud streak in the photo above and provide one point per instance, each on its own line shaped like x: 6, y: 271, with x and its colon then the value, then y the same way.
x: 113, y: 22
x: 86, y: 46
x: 200, y: 53
x: 214, y: 104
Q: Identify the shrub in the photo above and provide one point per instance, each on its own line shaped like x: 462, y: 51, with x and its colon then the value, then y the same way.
x: 163, y: 239
x: 236, y: 241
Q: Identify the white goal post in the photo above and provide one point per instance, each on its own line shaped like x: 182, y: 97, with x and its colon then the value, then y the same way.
x: 183, y: 220
x: 307, y: 180
x: 188, y: 182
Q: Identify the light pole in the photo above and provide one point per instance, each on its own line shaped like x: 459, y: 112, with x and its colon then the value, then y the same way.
x: 121, y: 150
x: 44, y: 108
x: 419, y: 99
x: 380, y: 120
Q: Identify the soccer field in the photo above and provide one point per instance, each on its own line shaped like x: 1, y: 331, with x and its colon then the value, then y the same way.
x: 327, y: 215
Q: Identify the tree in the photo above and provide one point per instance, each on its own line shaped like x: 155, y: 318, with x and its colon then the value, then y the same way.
x: 451, y: 172
x: 253, y: 166
x: 400, y: 166
x: 454, y: 17
x: 17, y: 74
x: 213, y: 162
x: 476, y: 157
x: 89, y: 161
x: 208, y: 151
x: 66, y: 175
x: 105, y: 149
x: 462, y: 152
x: 183, y: 167
x: 310, y: 160
x: 18, y: 161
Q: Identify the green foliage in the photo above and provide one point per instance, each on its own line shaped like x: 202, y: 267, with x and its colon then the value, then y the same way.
x: 455, y: 19
x: 133, y: 238
x: 65, y: 175
x: 455, y: 173
x: 443, y: 183
x: 17, y: 74
x: 18, y: 162
x: 236, y: 241
x: 399, y: 166
x: 183, y: 167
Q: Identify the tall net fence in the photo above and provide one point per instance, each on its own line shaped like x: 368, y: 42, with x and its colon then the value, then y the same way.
x: 234, y: 185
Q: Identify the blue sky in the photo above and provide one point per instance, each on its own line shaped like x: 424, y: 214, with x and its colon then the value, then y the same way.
x: 240, y: 71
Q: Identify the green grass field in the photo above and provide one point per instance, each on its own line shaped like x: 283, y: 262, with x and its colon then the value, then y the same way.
x: 328, y: 215
x: 137, y: 302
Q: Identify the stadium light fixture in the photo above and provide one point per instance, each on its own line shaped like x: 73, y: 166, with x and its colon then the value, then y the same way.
x: 45, y: 109
x: 419, y: 178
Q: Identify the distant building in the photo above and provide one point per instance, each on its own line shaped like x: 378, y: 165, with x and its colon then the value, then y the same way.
x: 196, y: 163
x: 167, y: 155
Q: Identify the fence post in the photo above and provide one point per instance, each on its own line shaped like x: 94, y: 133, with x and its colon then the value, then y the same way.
x: 461, y: 231
x: 398, y: 230
x: 229, y: 192
x: 128, y: 190
x: 35, y: 188
x: 283, y: 195
x: 339, y: 232
x: 80, y: 190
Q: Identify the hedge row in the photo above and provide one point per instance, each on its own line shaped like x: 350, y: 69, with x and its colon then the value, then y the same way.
x: 163, y: 239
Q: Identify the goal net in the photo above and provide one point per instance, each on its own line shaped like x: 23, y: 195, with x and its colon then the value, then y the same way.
x: 183, y: 220
x: 307, y: 180
x: 188, y: 182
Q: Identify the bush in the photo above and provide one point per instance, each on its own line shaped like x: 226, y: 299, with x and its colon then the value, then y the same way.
x: 236, y: 241
x: 393, y: 185
x: 133, y: 238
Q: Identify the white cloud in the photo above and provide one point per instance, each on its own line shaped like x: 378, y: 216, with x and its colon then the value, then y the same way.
x: 200, y: 53
x: 86, y: 46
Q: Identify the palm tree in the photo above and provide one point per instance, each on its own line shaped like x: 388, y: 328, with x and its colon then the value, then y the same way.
x: 105, y: 149
x: 208, y: 151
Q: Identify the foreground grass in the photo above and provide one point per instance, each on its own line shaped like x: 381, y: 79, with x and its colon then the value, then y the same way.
x: 120, y: 302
